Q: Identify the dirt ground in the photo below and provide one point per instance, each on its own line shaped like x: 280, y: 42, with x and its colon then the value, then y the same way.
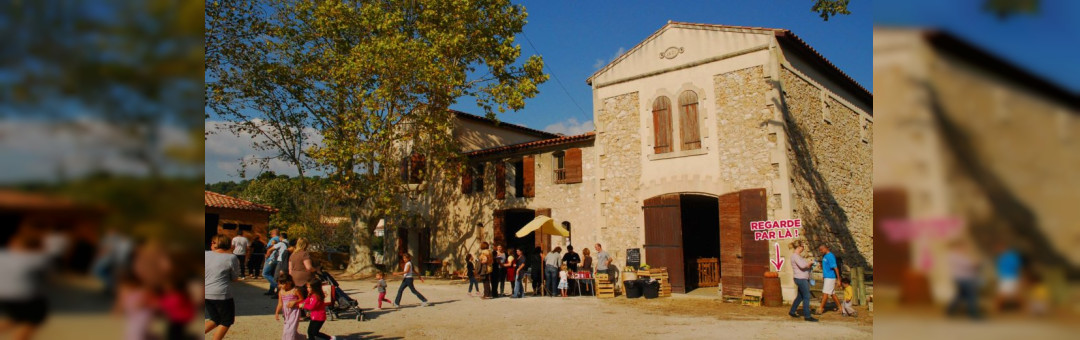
x: 453, y: 314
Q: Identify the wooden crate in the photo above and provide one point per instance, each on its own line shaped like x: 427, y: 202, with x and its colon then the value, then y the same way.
x: 604, y: 288
x: 751, y: 297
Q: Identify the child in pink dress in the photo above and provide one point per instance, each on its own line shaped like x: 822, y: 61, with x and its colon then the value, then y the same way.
x: 288, y: 298
x: 315, y: 303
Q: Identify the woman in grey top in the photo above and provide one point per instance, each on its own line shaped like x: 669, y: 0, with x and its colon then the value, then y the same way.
x: 221, y: 268
x: 800, y: 267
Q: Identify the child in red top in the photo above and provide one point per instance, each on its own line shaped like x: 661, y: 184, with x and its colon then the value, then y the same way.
x: 315, y: 303
x: 178, y: 310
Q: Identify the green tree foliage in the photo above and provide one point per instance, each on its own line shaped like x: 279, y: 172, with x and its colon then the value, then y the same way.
x: 830, y: 8
x: 373, y: 78
x: 1006, y: 8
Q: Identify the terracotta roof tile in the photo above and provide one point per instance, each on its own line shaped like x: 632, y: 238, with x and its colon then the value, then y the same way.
x: 216, y: 200
x: 533, y: 145
x: 521, y: 128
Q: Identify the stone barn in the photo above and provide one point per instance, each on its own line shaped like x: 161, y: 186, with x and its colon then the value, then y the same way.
x: 700, y: 130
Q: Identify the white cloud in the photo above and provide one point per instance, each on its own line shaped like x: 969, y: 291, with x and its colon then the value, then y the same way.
x: 41, y: 150
x: 570, y: 127
x: 227, y: 152
x: 600, y: 63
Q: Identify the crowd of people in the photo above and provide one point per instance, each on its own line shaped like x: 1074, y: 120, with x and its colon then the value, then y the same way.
x: 549, y: 274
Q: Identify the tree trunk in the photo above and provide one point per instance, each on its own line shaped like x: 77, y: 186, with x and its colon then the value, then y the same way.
x: 361, y: 261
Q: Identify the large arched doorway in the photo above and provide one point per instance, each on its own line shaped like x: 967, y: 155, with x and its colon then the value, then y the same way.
x: 705, y: 240
x: 507, y: 223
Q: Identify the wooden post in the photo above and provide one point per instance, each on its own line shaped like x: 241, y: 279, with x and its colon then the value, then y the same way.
x: 861, y: 286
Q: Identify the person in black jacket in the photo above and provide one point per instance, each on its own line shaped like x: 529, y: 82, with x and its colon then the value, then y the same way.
x: 536, y: 269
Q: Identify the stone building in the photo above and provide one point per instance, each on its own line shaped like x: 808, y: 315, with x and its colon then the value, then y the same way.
x: 230, y: 215
x: 700, y: 129
x: 976, y: 148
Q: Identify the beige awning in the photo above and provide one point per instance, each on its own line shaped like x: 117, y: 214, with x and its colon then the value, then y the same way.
x: 543, y: 225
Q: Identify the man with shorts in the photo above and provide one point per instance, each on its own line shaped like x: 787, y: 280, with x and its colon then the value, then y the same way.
x: 831, y: 273
x: 222, y: 267
x: 240, y: 246
x: 603, y: 264
x: 1008, y: 265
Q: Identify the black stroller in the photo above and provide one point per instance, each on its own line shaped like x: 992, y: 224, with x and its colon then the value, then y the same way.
x: 339, y: 301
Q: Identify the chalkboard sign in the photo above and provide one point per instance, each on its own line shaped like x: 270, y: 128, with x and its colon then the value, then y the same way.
x: 633, y: 257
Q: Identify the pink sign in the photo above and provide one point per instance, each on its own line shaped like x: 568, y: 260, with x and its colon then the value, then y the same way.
x: 776, y: 230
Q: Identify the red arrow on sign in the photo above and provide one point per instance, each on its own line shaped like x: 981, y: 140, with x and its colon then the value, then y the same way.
x: 779, y: 261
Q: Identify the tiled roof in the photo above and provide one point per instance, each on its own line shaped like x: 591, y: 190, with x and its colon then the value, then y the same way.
x: 15, y: 200
x: 781, y: 34
x: 533, y: 145
x: 542, y: 134
x: 216, y: 200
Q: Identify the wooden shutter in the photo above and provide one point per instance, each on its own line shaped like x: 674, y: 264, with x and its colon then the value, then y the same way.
x: 572, y: 164
x: 416, y: 168
x: 731, y: 259
x: 689, y: 132
x: 498, y: 234
x: 500, y: 180
x: 467, y: 180
x: 539, y: 238
x: 528, y: 164
x: 662, y: 125
x: 755, y: 253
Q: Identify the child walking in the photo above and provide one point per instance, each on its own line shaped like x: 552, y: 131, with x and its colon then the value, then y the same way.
x: 315, y: 303
x: 288, y: 297
x: 380, y: 287
x: 470, y: 272
x: 562, y: 281
x: 407, y: 282
x: 849, y: 293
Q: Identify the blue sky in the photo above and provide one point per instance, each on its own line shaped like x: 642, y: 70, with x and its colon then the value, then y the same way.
x: 1046, y: 44
x: 576, y: 38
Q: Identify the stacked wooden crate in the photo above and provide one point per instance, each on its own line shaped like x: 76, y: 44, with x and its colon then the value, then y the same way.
x: 604, y: 288
x: 661, y: 275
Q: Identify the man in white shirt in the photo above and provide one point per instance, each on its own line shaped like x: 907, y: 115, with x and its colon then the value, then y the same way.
x: 240, y: 245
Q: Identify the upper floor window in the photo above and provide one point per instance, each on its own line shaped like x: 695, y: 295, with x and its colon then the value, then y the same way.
x: 413, y: 168
x: 689, y: 132
x: 473, y: 178
x: 662, y: 125
x: 558, y: 163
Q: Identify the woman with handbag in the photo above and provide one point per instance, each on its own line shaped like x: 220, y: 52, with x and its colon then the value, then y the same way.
x: 484, y: 269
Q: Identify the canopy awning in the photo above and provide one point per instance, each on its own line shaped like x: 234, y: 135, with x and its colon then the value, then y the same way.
x: 543, y: 225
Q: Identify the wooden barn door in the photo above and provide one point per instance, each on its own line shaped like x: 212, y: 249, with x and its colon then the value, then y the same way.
x: 663, y: 237
x: 755, y: 253
x: 498, y: 234
x: 889, y: 270
x: 743, y: 261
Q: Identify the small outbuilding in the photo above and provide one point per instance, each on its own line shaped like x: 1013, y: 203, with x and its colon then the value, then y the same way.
x: 230, y: 215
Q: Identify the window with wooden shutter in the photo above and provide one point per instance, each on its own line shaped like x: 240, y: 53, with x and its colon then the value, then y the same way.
x: 572, y: 160
x: 529, y: 174
x: 478, y: 176
x: 416, y: 168
x: 558, y: 164
x: 500, y: 180
x: 662, y: 125
x: 466, y: 179
x: 689, y: 132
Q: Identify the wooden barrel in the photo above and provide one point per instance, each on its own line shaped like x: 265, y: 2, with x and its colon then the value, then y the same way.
x: 771, y: 295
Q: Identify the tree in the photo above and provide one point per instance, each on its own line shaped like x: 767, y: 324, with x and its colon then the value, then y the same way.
x: 375, y: 80
x: 827, y: 8
x: 1006, y: 8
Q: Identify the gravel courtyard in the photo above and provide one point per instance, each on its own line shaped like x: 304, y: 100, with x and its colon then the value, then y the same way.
x: 453, y: 314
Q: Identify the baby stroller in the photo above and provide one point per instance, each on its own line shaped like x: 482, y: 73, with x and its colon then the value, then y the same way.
x: 339, y: 301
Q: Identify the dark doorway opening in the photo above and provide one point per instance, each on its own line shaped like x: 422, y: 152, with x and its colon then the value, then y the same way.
x: 700, y: 236
x: 211, y: 229
x: 515, y: 220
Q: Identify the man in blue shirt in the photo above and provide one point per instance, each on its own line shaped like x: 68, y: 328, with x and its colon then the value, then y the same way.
x: 831, y: 273
x: 1008, y: 265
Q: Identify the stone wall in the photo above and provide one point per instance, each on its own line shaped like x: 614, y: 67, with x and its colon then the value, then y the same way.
x: 619, y: 139
x: 831, y: 169
x: 742, y: 130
